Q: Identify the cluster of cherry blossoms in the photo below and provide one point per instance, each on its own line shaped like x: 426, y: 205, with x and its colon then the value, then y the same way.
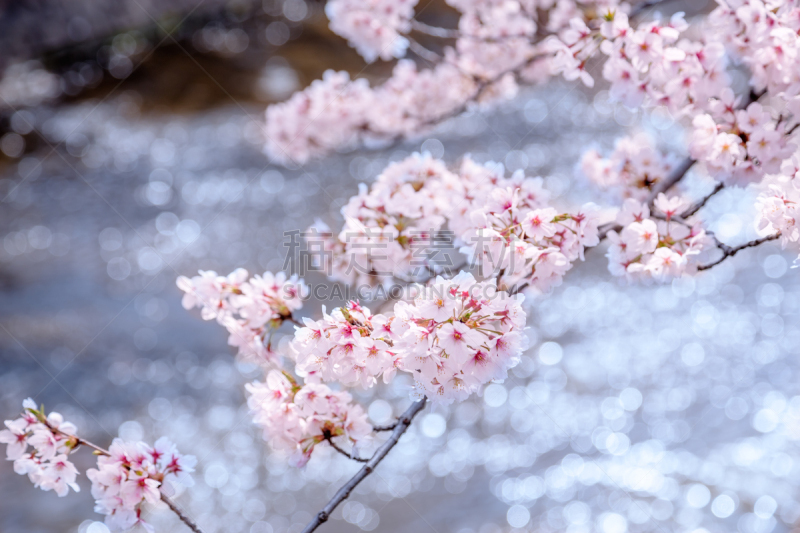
x: 632, y: 169
x: 522, y: 243
x: 134, y: 473
x: 127, y: 475
x: 50, y: 440
x: 389, y: 226
x: 495, y: 37
x: 459, y: 335
x: 295, y: 418
x: 497, y: 44
x: 764, y: 35
x: 373, y: 27
x: 660, y: 247
x: 396, y: 228
x: 779, y: 204
x: 350, y: 346
x: 326, y: 115
x: 337, y: 112
x: 646, y: 65
x: 250, y: 309
x: 649, y: 66
x: 779, y: 212
x: 453, y: 336
x: 739, y: 146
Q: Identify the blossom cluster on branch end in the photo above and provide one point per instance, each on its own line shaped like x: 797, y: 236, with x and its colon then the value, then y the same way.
x: 505, y: 225
x: 128, y: 475
x: 250, y: 309
x: 661, y: 249
x: 296, y: 418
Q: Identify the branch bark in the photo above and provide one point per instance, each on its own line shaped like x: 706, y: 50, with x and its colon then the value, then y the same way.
x: 676, y: 176
x: 344, y: 492
x: 185, y: 519
x: 345, y: 453
x: 728, y: 251
x: 699, y: 205
x: 434, y: 31
x: 428, y: 55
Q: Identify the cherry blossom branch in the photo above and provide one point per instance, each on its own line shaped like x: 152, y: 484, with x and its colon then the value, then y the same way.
x: 294, y: 321
x: 434, y: 31
x: 343, y: 493
x: 730, y: 251
x: 679, y: 172
x: 699, y: 205
x: 102, y: 451
x: 677, y: 175
x: 378, y: 429
x: 175, y: 509
x: 424, y: 53
x: 74, y: 438
x: 343, y: 452
x: 482, y: 84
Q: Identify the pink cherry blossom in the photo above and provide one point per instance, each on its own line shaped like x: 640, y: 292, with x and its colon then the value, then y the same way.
x: 648, y: 249
x: 373, y: 27
x: 46, y: 463
x: 296, y: 418
x: 633, y: 168
x: 452, y: 357
x: 134, y: 474
x: 250, y: 309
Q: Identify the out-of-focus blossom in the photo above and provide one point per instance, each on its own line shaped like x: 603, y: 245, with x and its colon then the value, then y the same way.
x: 250, y: 309
x: 373, y: 27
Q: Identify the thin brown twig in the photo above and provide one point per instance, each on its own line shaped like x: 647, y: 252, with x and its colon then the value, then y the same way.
x: 378, y: 429
x: 185, y: 519
x: 343, y: 452
x: 77, y: 440
x: 294, y: 321
x: 730, y: 251
x: 699, y: 205
x: 343, y: 493
x: 517, y: 290
x: 678, y: 173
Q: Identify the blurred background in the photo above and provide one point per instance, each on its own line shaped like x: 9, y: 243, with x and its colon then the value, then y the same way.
x: 131, y: 154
